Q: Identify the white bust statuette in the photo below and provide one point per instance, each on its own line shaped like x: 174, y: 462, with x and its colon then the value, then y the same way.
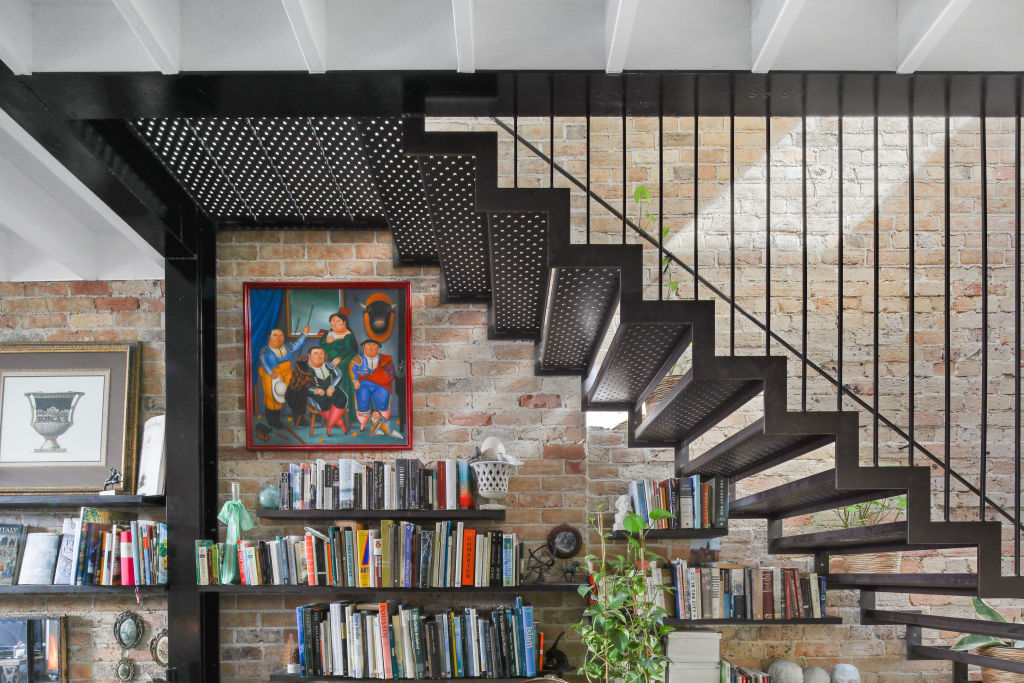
x: 845, y: 673
x: 621, y: 510
x: 785, y: 671
x: 814, y: 674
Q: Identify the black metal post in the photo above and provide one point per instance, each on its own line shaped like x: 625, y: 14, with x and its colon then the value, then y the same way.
x: 911, y: 257
x: 625, y: 185
x: 839, y: 279
x: 768, y: 222
x: 947, y: 317
x: 732, y: 213
x: 661, y: 188
x: 803, y: 246
x: 696, y: 186
x: 875, y: 243
x: 1016, y: 329
x: 984, y: 302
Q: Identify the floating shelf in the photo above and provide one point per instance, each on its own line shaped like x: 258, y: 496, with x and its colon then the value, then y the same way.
x: 344, y: 591
x: 80, y: 590
x: 95, y: 501
x: 696, y: 623
x: 670, y: 534
x: 376, y: 515
x: 296, y: 677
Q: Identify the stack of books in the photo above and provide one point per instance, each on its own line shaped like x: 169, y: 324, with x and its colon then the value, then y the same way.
x: 735, y: 591
x: 693, y: 504
x: 741, y: 674
x: 393, y: 555
x: 389, y: 640
x: 402, y: 484
x: 98, y: 548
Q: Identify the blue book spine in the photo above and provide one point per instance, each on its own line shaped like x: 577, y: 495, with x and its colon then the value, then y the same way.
x: 517, y: 617
x: 698, y: 508
x: 444, y: 643
x: 529, y: 640
x: 302, y: 650
x: 821, y: 593
x: 467, y: 644
x: 407, y: 558
x: 460, y: 664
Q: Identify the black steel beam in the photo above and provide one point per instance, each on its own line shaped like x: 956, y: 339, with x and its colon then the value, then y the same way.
x: 929, y: 652
x: 934, y: 621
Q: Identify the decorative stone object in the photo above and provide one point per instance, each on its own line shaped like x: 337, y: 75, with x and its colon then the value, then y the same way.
x: 621, y: 510
x: 845, y: 673
x: 815, y: 674
x: 785, y: 671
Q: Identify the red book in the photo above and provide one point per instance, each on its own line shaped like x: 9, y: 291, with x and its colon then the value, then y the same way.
x: 442, y: 487
x: 468, y: 557
x: 385, y: 639
x: 310, y: 560
x: 127, y: 565
x: 241, y: 565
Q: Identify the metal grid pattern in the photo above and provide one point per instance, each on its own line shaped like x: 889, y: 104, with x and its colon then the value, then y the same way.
x: 695, y: 402
x: 519, y: 252
x: 401, y: 188
x: 757, y: 452
x: 450, y: 182
x: 637, y: 352
x: 581, y: 303
x: 271, y: 169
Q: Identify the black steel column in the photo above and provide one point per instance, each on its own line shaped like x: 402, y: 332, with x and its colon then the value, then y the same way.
x: 192, y: 618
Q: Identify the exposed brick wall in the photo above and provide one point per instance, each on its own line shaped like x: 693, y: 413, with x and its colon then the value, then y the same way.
x: 90, y: 312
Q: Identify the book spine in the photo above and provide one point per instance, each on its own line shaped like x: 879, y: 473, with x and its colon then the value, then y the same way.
x: 529, y: 641
x: 465, y: 497
x: 468, y: 556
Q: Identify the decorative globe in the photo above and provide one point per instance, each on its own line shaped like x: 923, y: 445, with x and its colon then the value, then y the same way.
x: 269, y: 497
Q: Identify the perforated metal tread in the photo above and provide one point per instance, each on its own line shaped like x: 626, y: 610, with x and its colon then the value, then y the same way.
x: 693, y: 406
x: 803, y: 496
x: 519, y: 243
x: 400, y: 183
x: 750, y: 451
x: 636, y: 353
x: 580, y: 303
x: 462, y: 245
x: 944, y: 584
x: 845, y: 540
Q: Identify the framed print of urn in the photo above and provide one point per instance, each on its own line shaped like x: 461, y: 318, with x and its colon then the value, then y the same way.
x: 68, y: 416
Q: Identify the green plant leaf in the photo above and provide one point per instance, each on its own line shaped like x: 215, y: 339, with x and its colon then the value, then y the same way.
x: 633, y: 523
x: 665, y: 230
x: 584, y: 589
x: 641, y: 194
x: 672, y: 286
x: 986, y: 611
x: 659, y: 514
x: 973, y: 640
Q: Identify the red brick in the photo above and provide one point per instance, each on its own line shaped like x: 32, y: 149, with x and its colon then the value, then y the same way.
x: 540, y: 401
x: 129, y: 303
x: 565, y: 451
x: 81, y: 287
x: 470, y: 419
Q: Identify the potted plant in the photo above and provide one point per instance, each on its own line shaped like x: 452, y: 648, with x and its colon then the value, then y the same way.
x: 993, y: 647
x: 866, y: 514
x: 623, y: 626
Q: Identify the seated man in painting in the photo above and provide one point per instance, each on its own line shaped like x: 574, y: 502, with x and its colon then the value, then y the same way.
x: 275, y: 372
x: 373, y: 375
x: 324, y: 395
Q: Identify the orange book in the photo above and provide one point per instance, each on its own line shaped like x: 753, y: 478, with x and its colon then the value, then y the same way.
x: 310, y: 560
x: 241, y: 566
x: 385, y: 639
x: 468, y: 557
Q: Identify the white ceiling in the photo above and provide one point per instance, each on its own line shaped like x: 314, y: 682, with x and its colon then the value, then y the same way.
x: 318, y: 35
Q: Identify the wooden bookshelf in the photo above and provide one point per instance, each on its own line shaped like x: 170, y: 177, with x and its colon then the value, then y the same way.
x: 697, y: 623
x: 372, y: 593
x: 377, y: 515
x: 673, y: 534
x: 297, y: 677
x: 80, y: 590
x: 95, y: 501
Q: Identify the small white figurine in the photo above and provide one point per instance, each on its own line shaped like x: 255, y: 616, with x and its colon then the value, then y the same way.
x: 814, y: 674
x: 621, y: 510
x: 785, y: 671
x: 845, y: 673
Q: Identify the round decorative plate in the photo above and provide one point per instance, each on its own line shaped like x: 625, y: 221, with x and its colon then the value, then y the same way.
x: 128, y: 629
x: 565, y: 541
x: 158, y: 648
x: 125, y: 670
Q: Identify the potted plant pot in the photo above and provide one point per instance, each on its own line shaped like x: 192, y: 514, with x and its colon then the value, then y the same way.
x: 1013, y: 654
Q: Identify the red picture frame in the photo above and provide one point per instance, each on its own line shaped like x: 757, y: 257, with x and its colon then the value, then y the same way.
x: 295, y: 399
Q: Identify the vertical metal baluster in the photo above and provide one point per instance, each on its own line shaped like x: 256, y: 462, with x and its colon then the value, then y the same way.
x: 588, y: 159
x: 551, y: 132
x: 803, y: 258
x: 515, y: 128
x: 696, y: 182
x: 910, y: 271
x: 732, y: 214
x: 661, y: 185
x: 948, y: 321
x: 984, y: 300
x: 839, y: 279
x: 625, y: 189
x: 768, y: 222
x: 1016, y: 329
x: 875, y: 435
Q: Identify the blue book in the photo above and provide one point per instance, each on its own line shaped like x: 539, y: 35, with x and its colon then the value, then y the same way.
x: 302, y: 650
x: 698, y: 506
x: 467, y: 644
x: 821, y: 593
x: 444, y: 642
x: 517, y: 618
x: 350, y: 556
x: 460, y: 664
x: 529, y: 640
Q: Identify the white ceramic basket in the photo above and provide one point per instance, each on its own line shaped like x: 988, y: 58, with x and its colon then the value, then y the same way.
x: 492, y: 481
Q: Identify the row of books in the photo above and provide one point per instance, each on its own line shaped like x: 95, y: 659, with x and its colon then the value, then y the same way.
x: 694, y: 504
x: 735, y: 591
x: 389, y: 640
x: 742, y: 674
x: 98, y: 548
x: 402, y: 484
x: 393, y: 555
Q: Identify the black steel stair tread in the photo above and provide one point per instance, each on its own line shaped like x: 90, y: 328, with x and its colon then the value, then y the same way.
x: 579, y: 305
x: 875, y: 535
x: 803, y: 496
x: 932, y: 652
x: 636, y: 353
x: 943, y: 623
x: 750, y: 450
x: 944, y: 584
x: 693, y: 406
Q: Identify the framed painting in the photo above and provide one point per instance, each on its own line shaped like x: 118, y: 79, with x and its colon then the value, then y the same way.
x: 68, y: 417
x: 327, y: 365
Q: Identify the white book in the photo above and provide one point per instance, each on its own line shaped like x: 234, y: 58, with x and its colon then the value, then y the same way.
x: 275, y: 562
x: 474, y: 645
x: 387, y: 488
x: 436, y: 566
x: 202, y: 561
x: 777, y: 589
x: 815, y: 595
x: 451, y: 474
x: 346, y: 484
x: 350, y: 641
x: 334, y: 616
x: 64, y: 573
x: 457, y: 574
x: 108, y: 550
x: 324, y: 645
x: 152, y: 458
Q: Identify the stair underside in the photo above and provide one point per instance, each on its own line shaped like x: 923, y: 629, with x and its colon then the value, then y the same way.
x: 519, y: 273
x: 939, y: 622
x: 944, y: 584
x: 811, y: 494
x: 887, y: 537
x: 693, y: 406
x: 636, y: 354
x: 750, y: 451
x: 579, y: 304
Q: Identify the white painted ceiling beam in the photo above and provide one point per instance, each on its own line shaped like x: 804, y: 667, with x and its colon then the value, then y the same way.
x: 308, y: 19
x: 920, y: 25
x: 465, y: 49
x: 157, y: 26
x: 770, y: 24
x: 16, y: 35
x: 620, y: 15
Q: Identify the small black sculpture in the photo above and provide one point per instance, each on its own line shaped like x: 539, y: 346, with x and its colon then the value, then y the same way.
x: 541, y: 560
x: 113, y: 479
x: 569, y: 572
x: 555, y: 660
